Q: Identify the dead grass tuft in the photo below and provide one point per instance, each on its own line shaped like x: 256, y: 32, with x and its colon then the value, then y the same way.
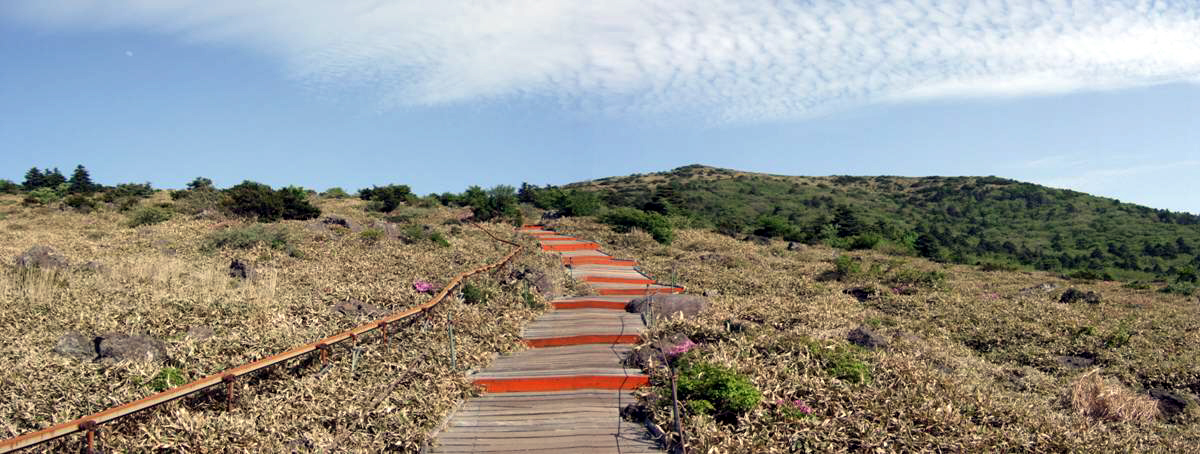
x: 1095, y: 397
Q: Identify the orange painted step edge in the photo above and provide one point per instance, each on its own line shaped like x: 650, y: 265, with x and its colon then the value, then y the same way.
x: 593, y: 260
x: 546, y: 240
x: 617, y: 280
x: 534, y: 384
x: 589, y: 304
x: 570, y: 247
x: 532, y: 226
x: 584, y: 339
x: 638, y: 291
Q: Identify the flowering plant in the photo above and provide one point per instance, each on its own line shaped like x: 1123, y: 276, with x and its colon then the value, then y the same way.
x: 422, y: 286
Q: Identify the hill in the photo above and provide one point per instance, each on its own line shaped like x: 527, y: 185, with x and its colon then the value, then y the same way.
x: 990, y: 221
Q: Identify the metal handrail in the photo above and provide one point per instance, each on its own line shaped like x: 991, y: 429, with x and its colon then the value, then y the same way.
x: 228, y: 376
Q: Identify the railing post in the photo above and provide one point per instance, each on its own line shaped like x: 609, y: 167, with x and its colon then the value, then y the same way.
x: 90, y: 427
x: 229, y: 379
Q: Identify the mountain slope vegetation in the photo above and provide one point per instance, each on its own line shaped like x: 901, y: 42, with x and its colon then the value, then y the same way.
x: 989, y: 221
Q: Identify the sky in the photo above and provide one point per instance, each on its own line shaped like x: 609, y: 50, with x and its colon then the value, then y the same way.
x: 1097, y: 96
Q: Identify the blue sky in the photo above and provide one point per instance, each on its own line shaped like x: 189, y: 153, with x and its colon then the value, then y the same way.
x: 1102, y: 98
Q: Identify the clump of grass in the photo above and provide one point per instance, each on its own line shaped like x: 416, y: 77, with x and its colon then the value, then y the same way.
x: 371, y: 235
x: 473, y: 294
x: 842, y: 362
x: 929, y: 279
x: 1097, y: 398
x: 249, y: 237
x: 1120, y: 337
x: 846, y: 266
x: 439, y: 239
x: 714, y: 389
x: 149, y: 215
x: 167, y: 378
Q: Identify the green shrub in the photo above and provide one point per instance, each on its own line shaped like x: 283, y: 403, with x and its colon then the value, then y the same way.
x: 128, y: 190
x: 865, y: 241
x: 580, y: 203
x: 842, y: 362
x: 249, y: 237
x: 80, y: 202
x: 846, y: 266
x: 931, y: 279
x: 624, y: 219
x: 715, y: 388
x: 439, y: 239
x: 497, y: 202
x: 167, y: 378
x: 335, y: 193
x: 371, y: 235
x: 149, y: 215
x: 775, y: 227
x: 257, y: 200
x: 1137, y: 285
x: 9, y: 187
x: 43, y: 196
x: 384, y: 199
x: 1119, y: 337
x: 1090, y: 275
x: 1179, y: 288
x: 473, y: 294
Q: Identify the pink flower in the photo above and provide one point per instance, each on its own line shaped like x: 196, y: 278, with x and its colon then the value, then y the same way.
x: 802, y: 407
x: 423, y: 287
x: 681, y: 348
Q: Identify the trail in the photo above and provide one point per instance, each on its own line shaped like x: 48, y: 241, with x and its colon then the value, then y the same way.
x: 564, y: 394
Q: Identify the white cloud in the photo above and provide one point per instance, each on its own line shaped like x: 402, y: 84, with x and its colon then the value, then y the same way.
x: 721, y: 60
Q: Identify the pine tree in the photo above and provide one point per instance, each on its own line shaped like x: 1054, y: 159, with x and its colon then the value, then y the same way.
x: 81, y: 181
x: 53, y: 178
x: 34, y: 179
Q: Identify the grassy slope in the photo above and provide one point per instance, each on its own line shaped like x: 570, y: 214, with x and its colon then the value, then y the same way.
x: 961, y: 210
x: 159, y: 282
x: 972, y: 366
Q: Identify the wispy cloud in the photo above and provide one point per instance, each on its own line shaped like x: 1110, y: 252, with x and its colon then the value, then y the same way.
x: 722, y: 60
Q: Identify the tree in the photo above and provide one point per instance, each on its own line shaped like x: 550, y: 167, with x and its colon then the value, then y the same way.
x: 385, y: 198
x: 34, y: 179
x: 200, y: 184
x: 8, y: 187
x: 847, y: 222
x: 928, y: 246
x: 52, y: 179
x: 81, y: 181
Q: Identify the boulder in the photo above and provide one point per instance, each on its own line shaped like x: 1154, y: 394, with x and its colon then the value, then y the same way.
x: 667, y: 305
x: 116, y: 347
x: 742, y: 326
x: 865, y: 337
x: 793, y: 246
x: 200, y: 333
x: 241, y: 269
x: 1074, y: 296
x: 76, y: 345
x: 41, y: 257
x: 356, y: 308
x: 96, y: 267
x: 537, y: 278
x: 710, y: 293
x: 335, y: 221
x: 1171, y: 403
x: 862, y: 294
x: 1043, y: 288
x: 1075, y: 362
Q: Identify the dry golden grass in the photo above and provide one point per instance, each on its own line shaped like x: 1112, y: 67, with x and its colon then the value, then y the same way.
x: 158, y: 281
x: 1093, y: 396
x: 974, y: 363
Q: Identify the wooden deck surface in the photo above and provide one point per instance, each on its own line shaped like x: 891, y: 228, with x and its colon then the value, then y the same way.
x: 564, y: 394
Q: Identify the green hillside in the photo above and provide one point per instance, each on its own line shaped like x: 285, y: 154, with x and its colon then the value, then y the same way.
x: 994, y: 222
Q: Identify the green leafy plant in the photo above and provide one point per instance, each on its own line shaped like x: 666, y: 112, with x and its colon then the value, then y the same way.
x: 149, y: 215
x: 715, y: 389
x: 248, y: 237
x: 841, y: 361
x: 624, y: 219
x: 439, y: 239
x: 846, y: 266
x: 473, y: 294
x: 167, y: 378
x: 371, y: 235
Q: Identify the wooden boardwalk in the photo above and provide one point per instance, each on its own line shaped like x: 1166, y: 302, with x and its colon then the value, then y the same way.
x: 565, y: 393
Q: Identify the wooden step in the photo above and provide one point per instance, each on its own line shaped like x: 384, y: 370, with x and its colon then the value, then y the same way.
x: 571, y: 247
x: 562, y: 383
x: 618, y: 280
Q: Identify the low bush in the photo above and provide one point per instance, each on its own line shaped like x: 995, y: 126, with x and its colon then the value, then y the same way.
x: 1179, y: 288
x: 384, y: 199
x: 712, y: 388
x: 257, y: 200
x: 930, y: 279
x: 846, y: 266
x: 149, y: 215
x: 865, y: 241
x: 439, y: 239
x: 128, y: 190
x: 249, y: 237
x: 624, y: 219
x: 43, y: 196
x: 371, y: 235
x: 167, y: 378
x: 473, y: 294
x: 9, y: 187
x: 81, y: 203
x: 998, y: 266
x: 842, y: 362
x: 335, y: 193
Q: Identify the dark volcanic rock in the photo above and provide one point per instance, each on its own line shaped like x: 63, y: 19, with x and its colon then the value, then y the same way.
x: 41, y: 257
x: 76, y: 345
x: 537, y: 278
x: 356, y: 308
x: 1075, y: 362
x: 242, y: 270
x: 794, y: 246
x: 862, y: 294
x: 115, y: 347
x: 667, y: 305
x: 335, y: 221
x: 864, y: 336
x: 1074, y: 296
x: 1171, y: 403
x: 200, y: 333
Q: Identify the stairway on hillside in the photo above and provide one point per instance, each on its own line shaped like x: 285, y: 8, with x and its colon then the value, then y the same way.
x: 565, y: 392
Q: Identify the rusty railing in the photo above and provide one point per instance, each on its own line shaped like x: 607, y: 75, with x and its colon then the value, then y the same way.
x: 228, y: 377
